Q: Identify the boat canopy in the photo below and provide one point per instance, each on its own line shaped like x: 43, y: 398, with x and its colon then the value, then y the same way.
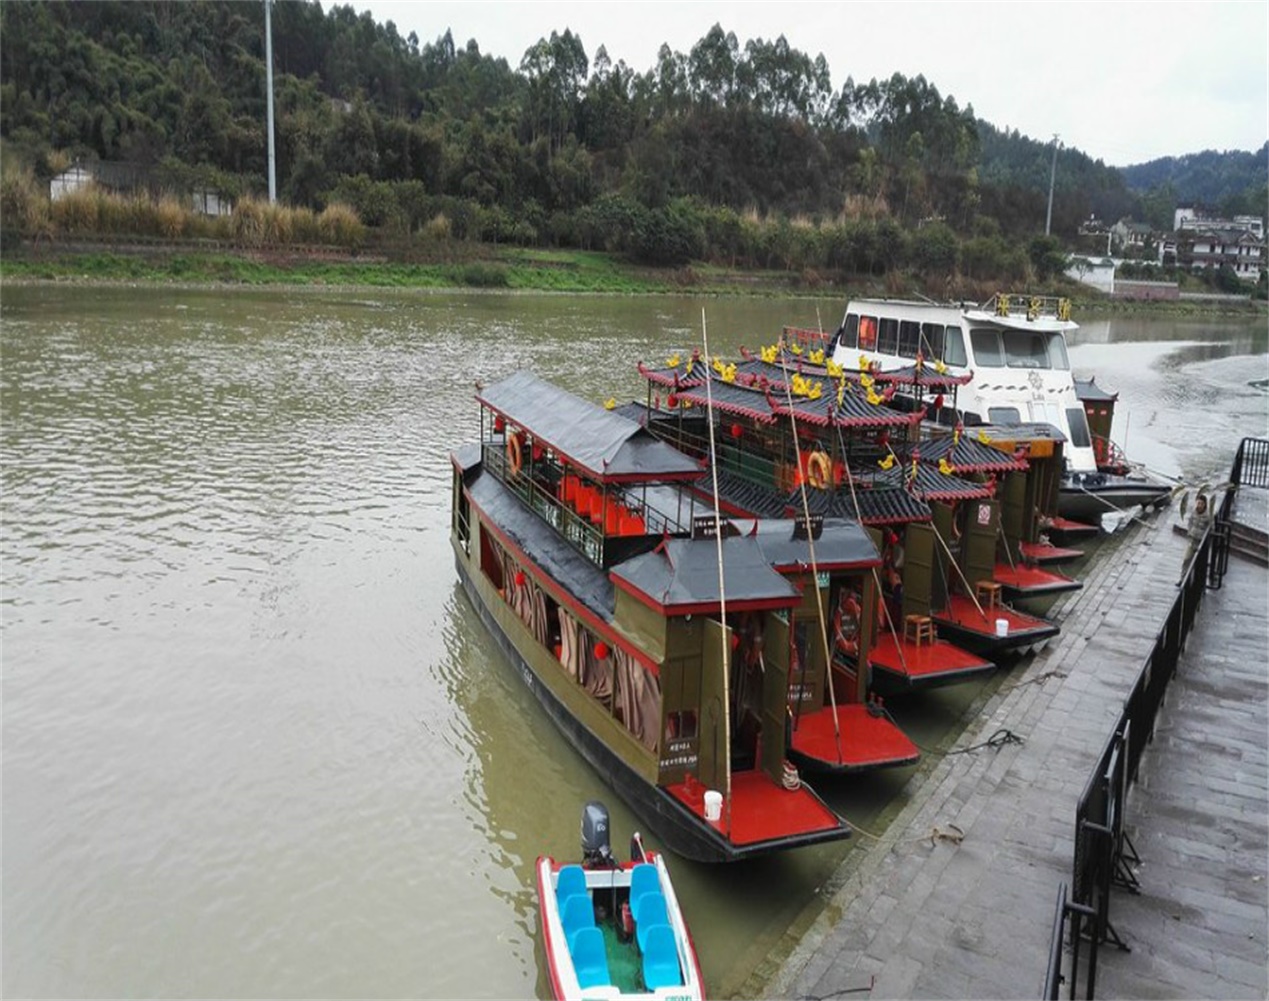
x: 838, y: 544
x: 680, y: 577
x: 932, y: 485
x: 762, y: 402
x: 603, y: 444
x: 1087, y: 391
x: 882, y: 503
x: 969, y: 454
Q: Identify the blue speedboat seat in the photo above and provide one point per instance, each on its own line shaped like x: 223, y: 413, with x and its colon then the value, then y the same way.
x: 643, y: 879
x: 576, y: 912
x: 661, y: 959
x: 572, y: 879
x: 589, y: 959
x: 649, y: 911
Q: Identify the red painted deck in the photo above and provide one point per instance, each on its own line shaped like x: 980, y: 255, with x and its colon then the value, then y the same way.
x: 1072, y: 528
x: 963, y: 613
x: 761, y: 810
x: 1040, y: 552
x: 1031, y: 579
x: 866, y: 741
x: 927, y: 664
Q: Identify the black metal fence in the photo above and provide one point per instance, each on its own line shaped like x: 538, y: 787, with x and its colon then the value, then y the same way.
x: 1103, y: 853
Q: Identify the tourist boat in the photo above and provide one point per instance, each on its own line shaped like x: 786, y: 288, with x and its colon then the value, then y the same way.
x: 614, y: 930
x: 758, y: 466
x: 622, y: 601
x: 1014, y: 347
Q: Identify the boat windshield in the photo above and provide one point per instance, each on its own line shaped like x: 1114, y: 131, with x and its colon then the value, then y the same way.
x: 1018, y: 349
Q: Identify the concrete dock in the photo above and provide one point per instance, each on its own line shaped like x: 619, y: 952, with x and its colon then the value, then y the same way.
x: 956, y: 898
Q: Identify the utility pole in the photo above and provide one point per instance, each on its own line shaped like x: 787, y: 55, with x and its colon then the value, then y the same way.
x: 268, y: 62
x: 1052, y: 176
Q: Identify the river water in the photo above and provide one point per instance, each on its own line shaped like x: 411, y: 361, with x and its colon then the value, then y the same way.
x: 256, y: 742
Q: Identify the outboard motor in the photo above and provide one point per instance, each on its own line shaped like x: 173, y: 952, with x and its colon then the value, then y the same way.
x: 596, y: 848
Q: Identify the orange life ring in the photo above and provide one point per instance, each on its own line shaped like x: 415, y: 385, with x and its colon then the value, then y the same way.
x: 818, y: 470
x: 515, y: 453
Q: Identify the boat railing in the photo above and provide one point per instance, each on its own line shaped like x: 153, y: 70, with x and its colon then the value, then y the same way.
x: 748, y: 461
x: 572, y: 525
x: 1031, y: 306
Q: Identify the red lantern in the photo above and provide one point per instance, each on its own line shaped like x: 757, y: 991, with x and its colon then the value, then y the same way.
x: 735, y: 641
x: 499, y: 425
x: 537, y: 452
x: 883, y: 438
x: 520, y: 578
x: 671, y: 401
x: 601, y: 650
x: 736, y: 430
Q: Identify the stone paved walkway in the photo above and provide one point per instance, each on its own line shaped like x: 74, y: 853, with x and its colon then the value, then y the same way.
x: 931, y: 918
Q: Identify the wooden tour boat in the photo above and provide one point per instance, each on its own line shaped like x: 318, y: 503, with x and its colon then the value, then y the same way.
x: 614, y: 930
x: 659, y: 636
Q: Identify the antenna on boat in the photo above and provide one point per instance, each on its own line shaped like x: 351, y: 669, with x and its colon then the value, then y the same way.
x: 722, y: 586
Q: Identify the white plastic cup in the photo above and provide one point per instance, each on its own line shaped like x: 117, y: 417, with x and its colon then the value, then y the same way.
x: 1002, y: 627
x: 713, y: 806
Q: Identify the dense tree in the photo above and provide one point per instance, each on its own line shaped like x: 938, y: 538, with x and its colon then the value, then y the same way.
x: 739, y: 152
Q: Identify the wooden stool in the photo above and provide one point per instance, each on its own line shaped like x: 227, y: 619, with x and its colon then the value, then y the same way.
x: 917, y: 628
x: 988, y: 593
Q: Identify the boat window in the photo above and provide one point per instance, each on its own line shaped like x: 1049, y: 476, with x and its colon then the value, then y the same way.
x: 1080, y: 438
x: 1057, y: 352
x: 1025, y: 349
x: 932, y: 340
x: 954, y: 347
x: 986, y: 343
x: 1004, y: 415
x: 909, y: 338
x: 1044, y: 412
x: 850, y: 332
x: 867, y: 333
x: 888, y: 337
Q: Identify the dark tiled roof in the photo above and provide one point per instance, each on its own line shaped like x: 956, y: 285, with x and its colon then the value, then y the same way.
x: 1088, y: 390
x: 599, y: 441
x: 968, y: 455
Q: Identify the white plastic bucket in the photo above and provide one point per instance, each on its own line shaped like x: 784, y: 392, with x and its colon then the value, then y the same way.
x: 713, y: 805
x: 1002, y: 627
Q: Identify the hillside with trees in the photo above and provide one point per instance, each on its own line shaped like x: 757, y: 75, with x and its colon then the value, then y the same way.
x: 738, y: 154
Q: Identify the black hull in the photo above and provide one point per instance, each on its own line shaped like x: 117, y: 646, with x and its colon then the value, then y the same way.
x: 1013, y: 593
x: 888, y: 682
x: 1106, y: 493
x: 672, y: 823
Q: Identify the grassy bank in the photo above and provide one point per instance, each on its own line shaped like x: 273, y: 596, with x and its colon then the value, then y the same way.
x: 475, y: 266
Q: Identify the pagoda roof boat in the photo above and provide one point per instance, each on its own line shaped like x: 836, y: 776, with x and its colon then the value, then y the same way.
x: 598, y: 573
x: 614, y: 930
x: 756, y: 475
x: 1014, y: 349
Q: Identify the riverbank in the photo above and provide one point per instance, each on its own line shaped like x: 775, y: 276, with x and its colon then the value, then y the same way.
x: 480, y: 267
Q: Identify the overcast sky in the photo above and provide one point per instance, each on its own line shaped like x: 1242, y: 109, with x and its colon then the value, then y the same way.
x: 1124, y: 82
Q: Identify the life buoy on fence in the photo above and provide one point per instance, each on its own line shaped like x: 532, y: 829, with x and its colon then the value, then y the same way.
x: 818, y: 470
x: 515, y: 453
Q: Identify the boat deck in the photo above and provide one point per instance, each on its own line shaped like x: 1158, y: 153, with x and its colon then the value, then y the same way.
x: 905, y: 666
x: 1025, y: 581
x: 860, y: 741
x: 965, y: 623
x: 765, y: 810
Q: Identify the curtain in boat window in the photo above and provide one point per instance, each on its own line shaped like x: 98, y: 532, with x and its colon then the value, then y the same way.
x: 637, y: 698
x: 569, y: 645
x: 577, y: 654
